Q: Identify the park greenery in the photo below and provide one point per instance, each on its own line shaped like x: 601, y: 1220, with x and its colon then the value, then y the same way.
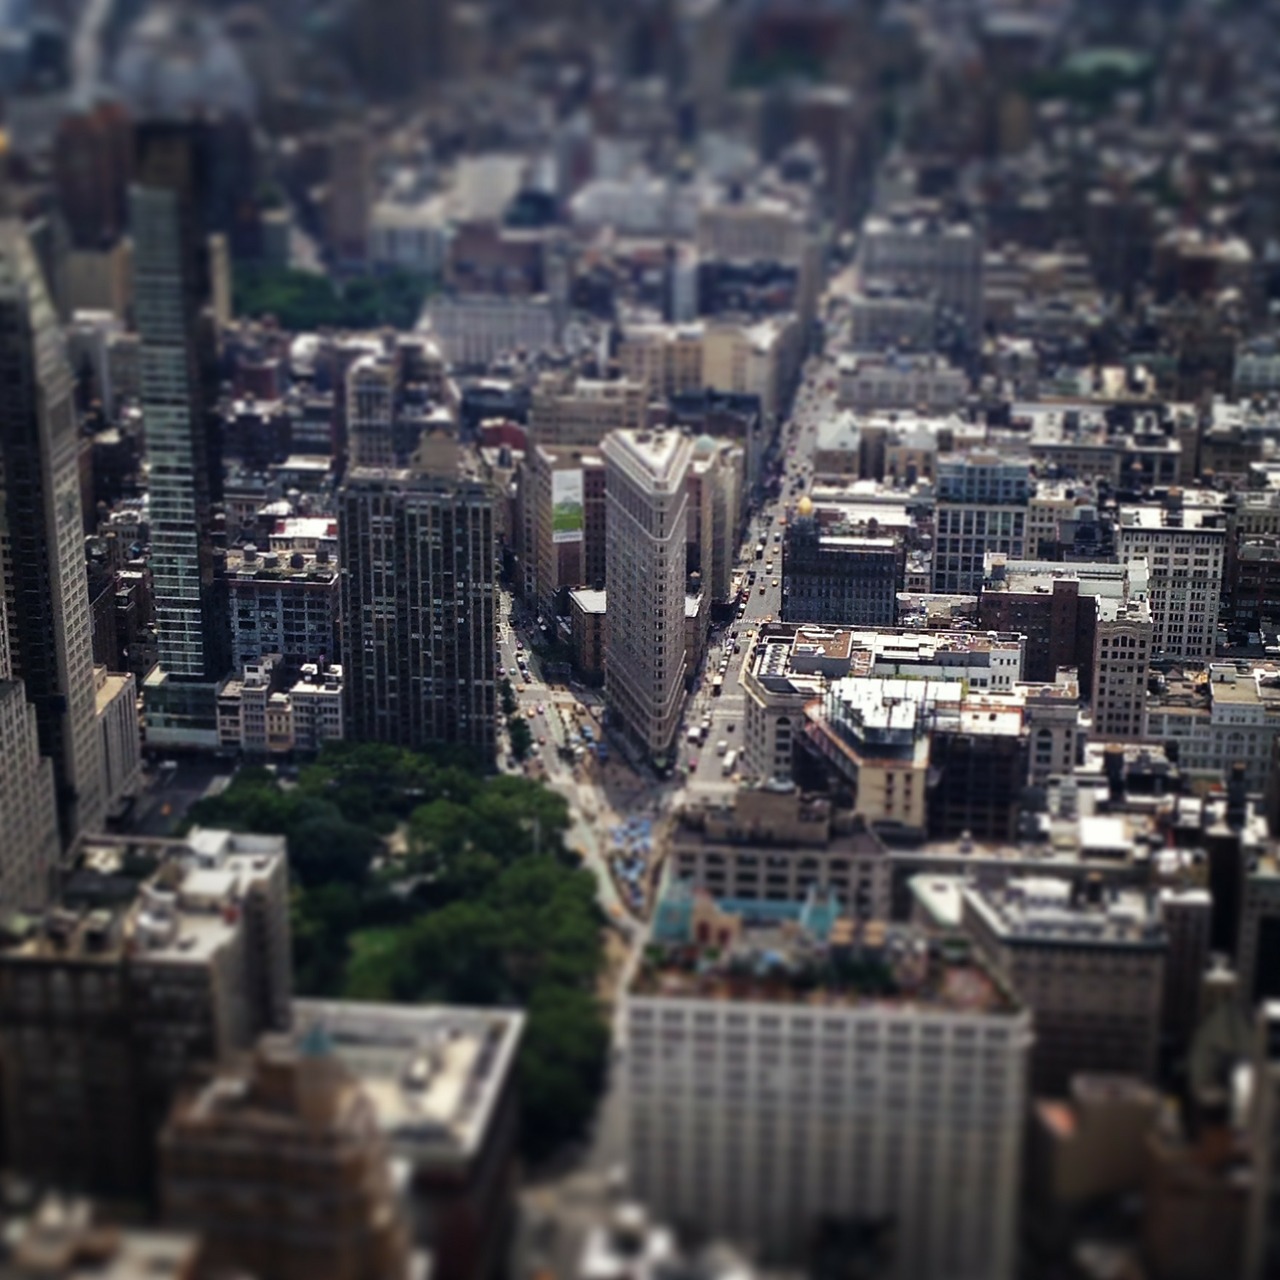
x: 305, y: 300
x: 481, y: 903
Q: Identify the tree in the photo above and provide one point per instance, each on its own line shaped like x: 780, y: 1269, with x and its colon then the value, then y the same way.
x: 562, y: 1067
x: 521, y: 737
x: 509, y: 704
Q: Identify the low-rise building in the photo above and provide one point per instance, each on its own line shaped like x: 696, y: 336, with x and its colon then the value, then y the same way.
x: 869, y: 382
x: 1224, y: 715
x: 263, y: 711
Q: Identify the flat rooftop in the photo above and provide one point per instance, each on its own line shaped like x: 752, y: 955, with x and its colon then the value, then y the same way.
x: 1049, y: 909
x: 157, y: 901
x: 435, y: 1073
x: 864, y: 965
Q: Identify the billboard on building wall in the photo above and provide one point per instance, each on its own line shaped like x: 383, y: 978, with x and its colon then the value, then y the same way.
x: 566, y: 506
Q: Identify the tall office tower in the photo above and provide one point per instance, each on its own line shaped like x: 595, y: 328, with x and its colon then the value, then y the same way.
x: 646, y: 512
x: 1185, y: 547
x: 91, y: 161
x: 350, y: 194
x: 982, y: 507
x: 371, y: 409
x: 1258, y: 947
x: 42, y: 565
x: 282, y: 1169
x: 1088, y: 963
x: 1262, y: 1240
x: 171, y: 286
x: 401, y: 46
x: 161, y: 959
x: 821, y: 1069
x: 26, y: 796
x: 419, y: 594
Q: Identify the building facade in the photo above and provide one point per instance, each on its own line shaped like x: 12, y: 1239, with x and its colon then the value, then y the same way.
x: 840, y: 576
x: 177, y: 373
x: 419, y: 599
x: 1185, y: 548
x: 982, y: 507
x: 282, y: 603
x: 755, y: 1110
x: 160, y: 960
x: 42, y: 561
x: 1091, y: 972
x: 647, y: 497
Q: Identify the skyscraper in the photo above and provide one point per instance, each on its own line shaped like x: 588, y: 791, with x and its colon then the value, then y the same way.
x: 418, y: 607
x: 647, y: 504
x: 26, y: 795
x: 42, y: 562
x: 171, y: 287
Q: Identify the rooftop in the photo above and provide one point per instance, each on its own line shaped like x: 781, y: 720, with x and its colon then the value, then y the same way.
x: 1034, y: 909
x: 435, y: 1073
x: 841, y: 964
x: 174, y: 901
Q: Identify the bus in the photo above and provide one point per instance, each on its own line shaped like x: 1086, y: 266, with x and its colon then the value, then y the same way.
x: 726, y: 765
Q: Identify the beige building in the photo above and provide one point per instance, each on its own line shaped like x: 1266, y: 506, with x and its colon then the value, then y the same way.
x: 1121, y: 652
x: 563, y: 503
x: 117, y: 710
x: 665, y: 359
x: 1090, y: 967
x: 260, y: 714
x: 647, y: 497
x: 1185, y: 547
x: 282, y: 1168
x: 442, y: 1082
x: 758, y: 359
x: 98, y: 280
x: 565, y: 410
x: 715, y: 513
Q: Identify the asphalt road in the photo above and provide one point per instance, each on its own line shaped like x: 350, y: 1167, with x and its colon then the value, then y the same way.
x: 814, y: 404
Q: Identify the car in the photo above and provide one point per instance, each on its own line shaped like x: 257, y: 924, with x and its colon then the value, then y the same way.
x: 761, y: 590
x: 541, y: 707
x: 730, y: 726
x: 512, y: 672
x: 542, y: 740
x: 693, y: 763
x: 531, y: 713
x: 519, y: 646
x: 775, y: 582
x: 520, y: 688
